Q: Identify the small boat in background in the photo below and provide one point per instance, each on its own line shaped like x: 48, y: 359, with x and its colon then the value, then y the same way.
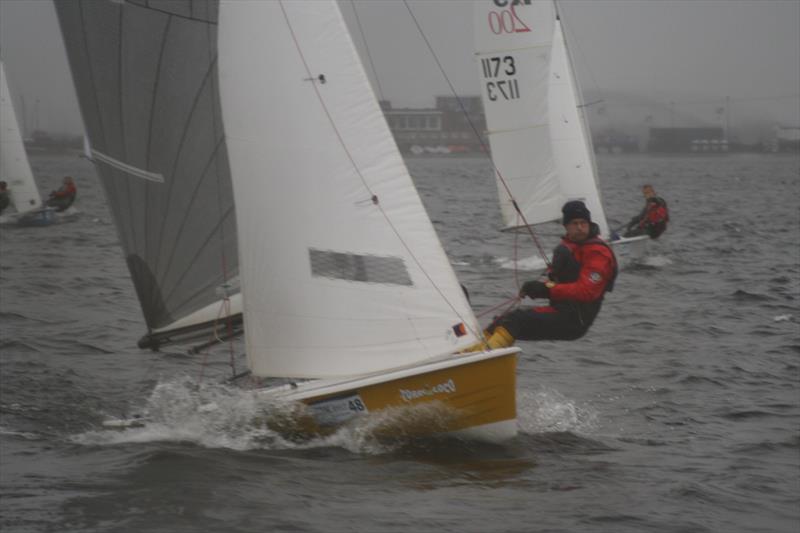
x: 15, y: 169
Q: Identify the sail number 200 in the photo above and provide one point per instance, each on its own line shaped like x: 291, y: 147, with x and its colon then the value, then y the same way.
x: 507, y: 20
x: 495, y: 67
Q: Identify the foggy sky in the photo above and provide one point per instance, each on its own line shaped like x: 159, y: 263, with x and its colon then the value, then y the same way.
x: 692, y: 53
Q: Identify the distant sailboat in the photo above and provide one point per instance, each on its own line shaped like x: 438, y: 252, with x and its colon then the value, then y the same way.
x: 540, y: 142
x: 346, y: 287
x: 15, y: 169
x: 145, y: 75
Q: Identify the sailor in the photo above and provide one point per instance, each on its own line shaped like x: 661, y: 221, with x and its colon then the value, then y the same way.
x: 5, y: 198
x: 653, y: 218
x: 64, y: 196
x: 582, y: 271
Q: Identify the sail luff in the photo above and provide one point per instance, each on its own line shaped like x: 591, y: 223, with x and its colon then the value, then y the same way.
x: 586, y: 131
x: 572, y: 146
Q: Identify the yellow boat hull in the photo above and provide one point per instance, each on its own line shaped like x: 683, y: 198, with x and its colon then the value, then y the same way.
x: 472, y: 395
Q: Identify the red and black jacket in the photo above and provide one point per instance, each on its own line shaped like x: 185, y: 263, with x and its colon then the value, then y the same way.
x: 583, y: 273
x: 68, y: 190
x: 655, y: 217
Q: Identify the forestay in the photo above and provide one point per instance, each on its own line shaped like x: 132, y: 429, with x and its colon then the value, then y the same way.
x: 342, y: 272
x: 145, y: 74
x: 15, y: 169
x: 540, y: 146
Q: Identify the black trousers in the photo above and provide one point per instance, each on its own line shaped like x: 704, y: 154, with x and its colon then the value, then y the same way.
x: 634, y: 232
x: 540, y: 324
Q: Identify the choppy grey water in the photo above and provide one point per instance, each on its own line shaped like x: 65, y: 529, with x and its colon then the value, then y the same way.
x: 679, y: 411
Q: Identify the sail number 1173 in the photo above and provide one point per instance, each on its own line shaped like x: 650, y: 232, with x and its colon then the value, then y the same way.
x: 500, y: 67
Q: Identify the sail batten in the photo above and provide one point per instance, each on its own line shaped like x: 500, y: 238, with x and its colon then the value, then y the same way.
x: 128, y: 169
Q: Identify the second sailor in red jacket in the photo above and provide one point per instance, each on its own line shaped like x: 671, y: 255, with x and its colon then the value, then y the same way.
x: 582, y: 271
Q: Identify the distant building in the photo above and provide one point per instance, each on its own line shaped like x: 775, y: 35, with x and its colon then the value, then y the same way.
x: 786, y: 139
x: 687, y: 140
x: 42, y: 141
x: 448, y: 128
x: 614, y: 142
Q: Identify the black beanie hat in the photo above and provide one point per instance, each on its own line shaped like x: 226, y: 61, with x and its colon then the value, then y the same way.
x: 575, y: 209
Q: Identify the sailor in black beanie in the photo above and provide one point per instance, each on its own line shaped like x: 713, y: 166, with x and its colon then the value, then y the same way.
x: 575, y: 209
x: 582, y: 271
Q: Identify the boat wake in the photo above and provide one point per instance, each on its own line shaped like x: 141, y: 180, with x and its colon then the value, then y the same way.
x: 649, y: 262
x: 223, y: 416
x: 548, y: 411
x: 34, y: 219
x: 534, y: 263
x: 216, y: 415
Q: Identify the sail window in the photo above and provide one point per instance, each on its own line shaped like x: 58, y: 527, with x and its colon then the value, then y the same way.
x: 355, y: 267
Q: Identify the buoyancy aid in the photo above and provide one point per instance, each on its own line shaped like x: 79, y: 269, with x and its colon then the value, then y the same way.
x: 63, y: 197
x: 583, y: 273
x: 656, y: 217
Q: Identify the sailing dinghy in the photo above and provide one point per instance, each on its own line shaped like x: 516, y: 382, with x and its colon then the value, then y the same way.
x: 15, y: 169
x: 346, y: 288
x: 540, y: 143
x: 145, y: 76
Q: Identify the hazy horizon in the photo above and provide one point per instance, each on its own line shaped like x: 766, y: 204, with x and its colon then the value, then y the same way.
x: 676, y: 55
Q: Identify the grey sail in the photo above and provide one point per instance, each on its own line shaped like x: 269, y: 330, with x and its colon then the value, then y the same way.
x: 145, y: 75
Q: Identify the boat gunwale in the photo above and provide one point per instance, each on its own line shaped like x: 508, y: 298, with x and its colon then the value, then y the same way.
x: 628, y: 240
x: 331, y: 386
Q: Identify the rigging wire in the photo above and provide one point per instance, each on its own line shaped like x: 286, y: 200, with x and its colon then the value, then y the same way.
x: 474, y: 128
x: 369, y: 54
x: 223, y: 315
x: 226, y: 302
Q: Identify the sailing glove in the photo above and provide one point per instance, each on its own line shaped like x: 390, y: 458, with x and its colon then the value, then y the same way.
x: 534, y: 289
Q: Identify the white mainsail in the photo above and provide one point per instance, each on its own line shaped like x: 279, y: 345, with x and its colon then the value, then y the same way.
x: 540, y: 146
x: 569, y: 134
x: 342, y: 272
x: 15, y: 169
